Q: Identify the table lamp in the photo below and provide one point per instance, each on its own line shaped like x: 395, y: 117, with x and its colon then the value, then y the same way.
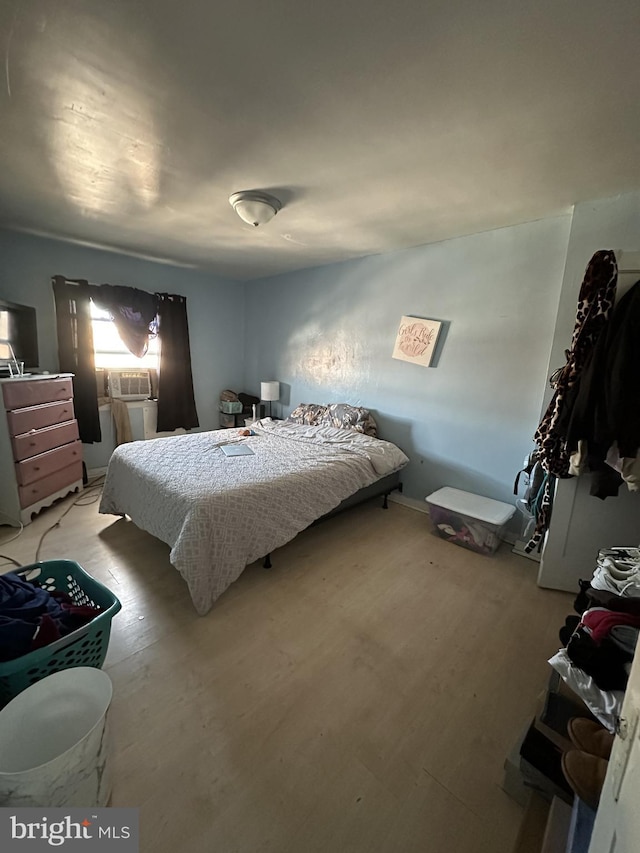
x: 269, y: 392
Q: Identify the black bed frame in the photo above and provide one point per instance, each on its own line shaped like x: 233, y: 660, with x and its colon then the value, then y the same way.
x: 381, y: 488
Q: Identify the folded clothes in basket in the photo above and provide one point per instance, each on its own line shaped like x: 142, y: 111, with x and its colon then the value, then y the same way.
x: 32, y: 617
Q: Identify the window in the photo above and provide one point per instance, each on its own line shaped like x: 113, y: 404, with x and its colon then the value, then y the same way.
x: 109, y: 349
x: 5, y: 352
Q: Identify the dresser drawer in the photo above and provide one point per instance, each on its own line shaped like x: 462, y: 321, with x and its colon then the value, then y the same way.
x: 22, y: 392
x: 37, y: 417
x: 41, y: 489
x: 36, y: 442
x: 44, y: 464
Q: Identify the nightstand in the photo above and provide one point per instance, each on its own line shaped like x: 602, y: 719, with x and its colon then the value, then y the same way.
x: 231, y: 421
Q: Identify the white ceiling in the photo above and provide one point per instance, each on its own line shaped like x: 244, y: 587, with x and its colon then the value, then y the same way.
x: 379, y: 124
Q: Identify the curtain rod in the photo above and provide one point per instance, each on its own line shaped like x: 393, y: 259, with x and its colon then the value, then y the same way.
x: 69, y: 280
x: 84, y: 281
x: 79, y: 281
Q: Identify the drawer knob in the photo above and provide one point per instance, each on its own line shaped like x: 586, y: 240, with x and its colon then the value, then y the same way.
x: 36, y: 467
x: 32, y: 444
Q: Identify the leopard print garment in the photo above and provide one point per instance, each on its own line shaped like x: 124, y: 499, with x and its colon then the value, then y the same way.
x: 595, y: 301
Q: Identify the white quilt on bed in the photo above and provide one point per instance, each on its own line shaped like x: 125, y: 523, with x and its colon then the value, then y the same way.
x: 219, y: 513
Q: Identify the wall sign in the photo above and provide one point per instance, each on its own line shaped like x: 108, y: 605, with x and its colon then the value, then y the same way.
x: 416, y: 340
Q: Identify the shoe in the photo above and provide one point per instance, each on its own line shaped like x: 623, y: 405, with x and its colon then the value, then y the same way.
x: 629, y: 586
x: 590, y: 737
x: 618, y: 570
x: 582, y: 601
x: 625, y: 637
x: 620, y: 554
x: 585, y: 774
x: 570, y: 625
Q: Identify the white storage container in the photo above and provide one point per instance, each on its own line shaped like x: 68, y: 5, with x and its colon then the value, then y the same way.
x: 54, y: 742
x: 469, y: 520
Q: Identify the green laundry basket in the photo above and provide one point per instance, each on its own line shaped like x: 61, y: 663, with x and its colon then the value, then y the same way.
x: 86, y: 646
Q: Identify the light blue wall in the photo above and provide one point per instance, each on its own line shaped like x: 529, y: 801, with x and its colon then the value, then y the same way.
x: 215, y: 306
x: 327, y: 334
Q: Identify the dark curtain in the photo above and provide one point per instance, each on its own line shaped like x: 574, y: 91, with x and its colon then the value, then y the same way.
x: 132, y: 311
x: 176, y: 400
x: 76, y: 354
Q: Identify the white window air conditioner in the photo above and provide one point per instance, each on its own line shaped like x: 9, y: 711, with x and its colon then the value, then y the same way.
x: 129, y: 384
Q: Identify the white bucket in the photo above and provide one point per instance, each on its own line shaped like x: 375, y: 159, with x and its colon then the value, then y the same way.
x: 53, y: 742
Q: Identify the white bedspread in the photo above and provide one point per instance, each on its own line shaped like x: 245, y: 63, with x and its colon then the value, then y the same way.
x: 219, y: 513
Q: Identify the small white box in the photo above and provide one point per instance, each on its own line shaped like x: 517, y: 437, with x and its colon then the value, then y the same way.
x: 469, y: 520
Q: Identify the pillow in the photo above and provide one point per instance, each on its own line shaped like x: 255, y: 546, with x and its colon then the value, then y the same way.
x: 335, y: 414
x: 308, y: 413
x: 350, y: 417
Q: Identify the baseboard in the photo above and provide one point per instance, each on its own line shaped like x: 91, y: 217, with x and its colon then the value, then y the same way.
x: 412, y: 503
x: 92, y: 473
x: 518, y: 549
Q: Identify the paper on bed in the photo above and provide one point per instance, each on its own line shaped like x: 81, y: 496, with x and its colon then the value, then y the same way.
x: 236, y: 450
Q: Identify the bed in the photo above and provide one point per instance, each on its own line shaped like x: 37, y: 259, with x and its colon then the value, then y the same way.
x: 219, y: 513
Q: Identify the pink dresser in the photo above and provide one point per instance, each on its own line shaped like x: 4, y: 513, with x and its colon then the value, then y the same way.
x: 40, y: 451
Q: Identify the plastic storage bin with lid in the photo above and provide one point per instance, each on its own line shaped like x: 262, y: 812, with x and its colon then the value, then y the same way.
x: 473, y: 521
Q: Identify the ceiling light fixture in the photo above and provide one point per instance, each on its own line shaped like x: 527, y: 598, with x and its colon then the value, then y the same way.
x: 254, y: 207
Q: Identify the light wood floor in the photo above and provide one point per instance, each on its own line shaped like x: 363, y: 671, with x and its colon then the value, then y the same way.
x: 359, y: 697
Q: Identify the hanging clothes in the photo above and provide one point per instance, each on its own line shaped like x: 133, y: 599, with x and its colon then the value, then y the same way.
x: 595, y: 301
x: 606, y: 414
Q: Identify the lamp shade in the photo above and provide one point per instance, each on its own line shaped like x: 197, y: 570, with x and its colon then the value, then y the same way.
x: 254, y: 207
x: 270, y: 390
